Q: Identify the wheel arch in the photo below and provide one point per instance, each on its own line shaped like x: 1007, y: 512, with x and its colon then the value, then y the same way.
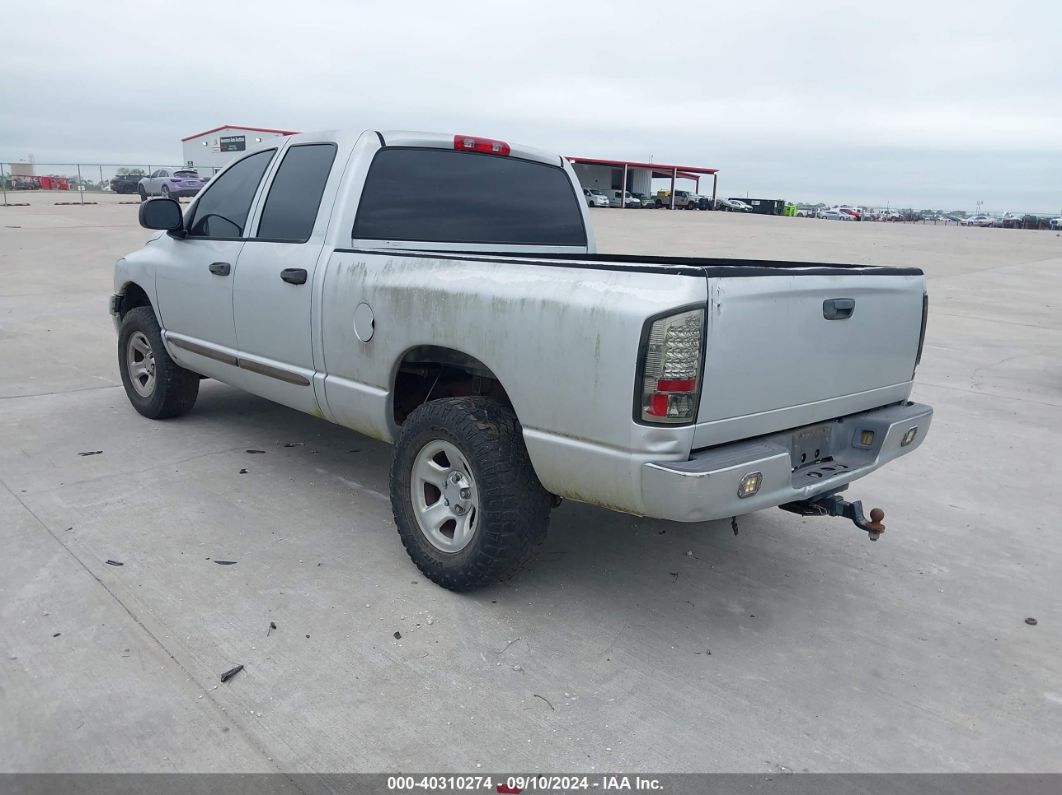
x: 430, y: 372
x: 132, y: 296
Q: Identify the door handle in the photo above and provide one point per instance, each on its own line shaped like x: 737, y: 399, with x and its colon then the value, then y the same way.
x: 220, y: 268
x: 838, y: 308
x: 294, y: 275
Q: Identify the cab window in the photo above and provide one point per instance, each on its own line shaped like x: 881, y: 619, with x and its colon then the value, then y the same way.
x: 223, y: 208
x: 295, y: 194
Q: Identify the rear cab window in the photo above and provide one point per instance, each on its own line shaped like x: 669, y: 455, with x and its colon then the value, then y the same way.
x: 439, y: 195
x: 294, y: 197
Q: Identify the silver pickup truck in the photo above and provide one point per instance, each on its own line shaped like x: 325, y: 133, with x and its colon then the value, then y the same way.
x: 443, y: 293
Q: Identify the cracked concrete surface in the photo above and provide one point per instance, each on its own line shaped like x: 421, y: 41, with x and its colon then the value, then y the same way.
x: 827, y: 653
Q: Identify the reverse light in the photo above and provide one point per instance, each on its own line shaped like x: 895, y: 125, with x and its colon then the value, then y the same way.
x: 671, y: 369
x: 750, y: 484
x: 909, y: 436
x: 472, y: 143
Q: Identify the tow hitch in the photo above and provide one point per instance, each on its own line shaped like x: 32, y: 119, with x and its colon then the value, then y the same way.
x: 835, y: 505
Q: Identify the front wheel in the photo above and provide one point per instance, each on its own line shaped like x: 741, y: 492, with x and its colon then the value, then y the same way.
x: 468, y: 506
x: 156, y: 385
x: 143, y: 193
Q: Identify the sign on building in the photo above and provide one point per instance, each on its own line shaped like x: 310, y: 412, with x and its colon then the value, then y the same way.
x: 233, y: 143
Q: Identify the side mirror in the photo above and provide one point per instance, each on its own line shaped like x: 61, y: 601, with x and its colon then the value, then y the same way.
x: 161, y: 214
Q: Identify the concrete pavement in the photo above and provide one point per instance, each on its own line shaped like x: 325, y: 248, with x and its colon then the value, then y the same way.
x: 827, y: 652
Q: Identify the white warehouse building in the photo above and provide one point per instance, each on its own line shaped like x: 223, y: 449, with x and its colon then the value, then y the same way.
x: 215, y: 148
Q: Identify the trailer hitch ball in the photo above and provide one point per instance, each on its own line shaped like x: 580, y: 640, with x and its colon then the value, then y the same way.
x: 834, y: 505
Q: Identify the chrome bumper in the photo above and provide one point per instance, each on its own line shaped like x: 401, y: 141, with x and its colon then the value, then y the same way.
x: 705, y: 487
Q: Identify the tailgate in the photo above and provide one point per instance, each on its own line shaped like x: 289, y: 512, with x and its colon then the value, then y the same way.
x: 774, y: 360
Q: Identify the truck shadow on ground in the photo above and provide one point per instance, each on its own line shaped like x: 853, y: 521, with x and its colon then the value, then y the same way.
x: 777, y: 566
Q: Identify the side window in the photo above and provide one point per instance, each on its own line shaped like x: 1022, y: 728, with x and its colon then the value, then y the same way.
x: 295, y: 195
x: 223, y: 208
x: 154, y: 174
x: 446, y: 196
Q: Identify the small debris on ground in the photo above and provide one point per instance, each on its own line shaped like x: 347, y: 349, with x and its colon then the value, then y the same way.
x: 536, y: 695
x: 231, y: 673
x: 272, y: 626
x: 507, y: 645
x: 91, y: 452
x: 689, y: 553
x: 355, y: 450
x: 430, y: 621
x: 518, y: 667
x: 293, y: 444
x: 1032, y: 622
x: 398, y: 635
x: 243, y: 471
x: 225, y: 562
x: 57, y: 634
x: 110, y: 562
x: 255, y: 452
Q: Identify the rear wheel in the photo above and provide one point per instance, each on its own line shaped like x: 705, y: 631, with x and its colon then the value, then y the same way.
x: 157, y: 386
x: 166, y: 192
x: 468, y: 506
x: 143, y: 193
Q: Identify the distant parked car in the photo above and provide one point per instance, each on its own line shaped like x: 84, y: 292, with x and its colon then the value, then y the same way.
x: 125, y: 183
x: 170, y: 183
x: 1055, y: 223
x: 978, y: 220
x: 732, y: 206
x: 646, y: 201
x: 622, y: 198
x: 838, y: 214
x: 682, y: 199
x: 595, y: 198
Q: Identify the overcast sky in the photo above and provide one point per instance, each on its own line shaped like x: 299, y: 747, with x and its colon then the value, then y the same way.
x: 925, y: 104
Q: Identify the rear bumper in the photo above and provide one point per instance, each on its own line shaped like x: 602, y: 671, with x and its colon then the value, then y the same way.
x: 705, y: 487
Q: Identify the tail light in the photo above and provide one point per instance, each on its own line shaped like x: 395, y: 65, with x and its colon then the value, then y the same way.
x: 470, y: 143
x: 922, y: 333
x: 670, y: 378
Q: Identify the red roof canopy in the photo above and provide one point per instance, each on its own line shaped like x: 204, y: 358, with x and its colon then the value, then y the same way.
x: 240, y: 127
x: 683, y: 170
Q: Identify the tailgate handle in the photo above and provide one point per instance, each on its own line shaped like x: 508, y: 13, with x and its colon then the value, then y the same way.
x: 838, y: 308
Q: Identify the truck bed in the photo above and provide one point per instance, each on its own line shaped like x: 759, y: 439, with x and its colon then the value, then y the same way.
x: 773, y: 360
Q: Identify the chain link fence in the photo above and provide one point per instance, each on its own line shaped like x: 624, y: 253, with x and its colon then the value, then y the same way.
x: 80, y: 183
